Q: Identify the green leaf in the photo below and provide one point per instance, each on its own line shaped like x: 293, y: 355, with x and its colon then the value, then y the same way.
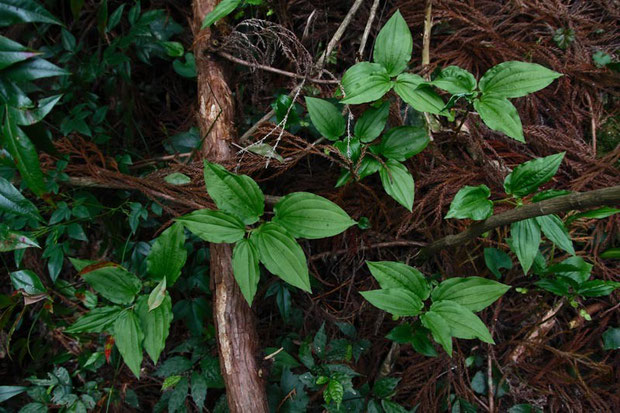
x: 554, y: 229
x: 473, y: 293
x: 500, y: 115
x: 199, y: 389
x: 177, y: 178
x: 394, y: 45
x: 245, y: 268
x: 11, y: 240
x: 402, y: 142
x: 471, y: 202
x: 239, y: 195
x: 28, y: 117
x: 306, y: 215
x: 610, y: 253
x: 319, y: 343
x: 611, y: 338
x: 178, y: 396
x: 439, y: 329
x: 326, y: 118
x: 391, y: 274
x: 96, y: 320
x: 525, y: 241
x: 527, y: 177
x: 24, y: 155
x: 455, y: 80
x: 28, y: 282
x: 415, y: 91
x: 597, y: 288
x: 115, y: 18
x: 33, y: 69
x: 155, y: 324
x: 365, y: 82
x: 351, y: 148
x: 265, y: 150
x: 128, y: 337
x: 168, y: 254
x: 396, y: 301
x: 334, y: 392
x: 113, y: 282
x: 598, y: 213
x: 213, y: 226
x: 156, y: 297
x: 13, y: 202
x: 12, y: 52
x: 515, y: 79
x: 398, y: 183
x: 550, y: 193
x: 170, y: 381
x: 496, y: 259
x: 221, y: 10
x: 281, y: 254
x: 24, y: 11
x: 574, y: 268
x: 462, y: 322
x: 385, y: 387
x: 372, y: 122
x: 6, y: 392
x: 186, y: 68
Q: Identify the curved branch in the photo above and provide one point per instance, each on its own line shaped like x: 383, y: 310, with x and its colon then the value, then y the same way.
x: 580, y: 200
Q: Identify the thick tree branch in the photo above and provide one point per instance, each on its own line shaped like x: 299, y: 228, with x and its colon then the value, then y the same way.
x: 599, y: 197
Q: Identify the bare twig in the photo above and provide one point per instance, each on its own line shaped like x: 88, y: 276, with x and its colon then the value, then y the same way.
x: 371, y: 18
x: 336, y: 38
x: 388, y: 244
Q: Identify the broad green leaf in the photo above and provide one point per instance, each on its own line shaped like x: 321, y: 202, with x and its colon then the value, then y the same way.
x: 27, y: 117
x: 610, y: 253
x: 455, y: 80
x: 24, y: 11
x: 33, y: 69
x: 554, y: 229
x: 500, y: 115
x: 527, y: 177
x: 11, y: 240
x: 170, y: 382
x: 391, y: 274
x: 574, y: 268
x: 113, y: 282
x: 173, y: 49
x: 168, y: 254
x: 385, y: 387
x: 368, y: 166
x: 334, y: 392
x: 13, y: 202
x: 239, y: 195
x: 402, y: 142
x: 6, y: 392
x: 24, y: 155
x: 365, y: 82
x: 597, y: 288
x: 177, y: 178
x: 415, y: 91
x: 281, y: 254
x: 319, y: 343
x: 12, y: 52
x: 496, y: 259
x: 398, y: 183
x: 439, y: 328
x: 213, y: 226
x: 28, y: 282
x: 550, y: 193
x: 155, y: 325
x: 265, y: 150
x: 463, y: 322
x: 306, y: 215
x: 515, y: 79
x: 128, y: 337
x: 326, y: 118
x: 199, y: 389
x: 473, y: 293
x: 221, y: 10
x: 611, y: 338
x: 471, y: 202
x: 156, y: 297
x: 598, y: 213
x: 372, y: 122
x: 394, y: 45
x: 525, y: 241
x: 96, y: 320
x: 351, y: 148
x: 245, y: 268
x: 396, y: 301
x: 186, y: 68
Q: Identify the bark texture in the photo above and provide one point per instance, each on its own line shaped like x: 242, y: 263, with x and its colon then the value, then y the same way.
x: 234, y: 321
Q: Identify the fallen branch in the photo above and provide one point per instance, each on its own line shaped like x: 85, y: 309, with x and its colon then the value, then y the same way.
x: 580, y: 200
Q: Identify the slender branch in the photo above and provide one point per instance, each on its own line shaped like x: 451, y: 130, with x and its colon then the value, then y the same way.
x: 426, y: 39
x: 388, y: 244
x: 565, y: 203
x: 371, y: 19
x: 273, y: 69
x: 341, y: 29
